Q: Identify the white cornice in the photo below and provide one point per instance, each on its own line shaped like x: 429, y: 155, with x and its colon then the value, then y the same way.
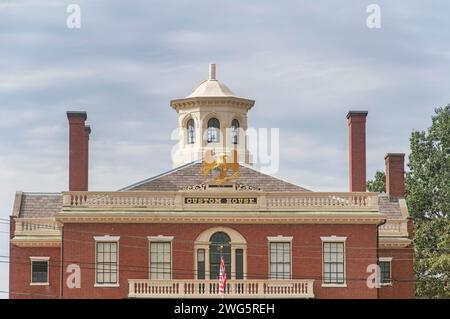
x: 221, y: 218
x: 392, y: 243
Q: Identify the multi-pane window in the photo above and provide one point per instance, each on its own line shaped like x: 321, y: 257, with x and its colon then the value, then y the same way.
x: 160, y: 260
x: 213, y: 130
x: 107, y: 263
x: 333, y: 263
x: 280, y: 260
x: 200, y: 264
x: 191, y: 132
x: 39, y: 271
x: 385, y: 270
x: 235, y: 131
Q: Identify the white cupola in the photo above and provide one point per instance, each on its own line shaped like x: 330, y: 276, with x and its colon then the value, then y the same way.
x: 212, y: 117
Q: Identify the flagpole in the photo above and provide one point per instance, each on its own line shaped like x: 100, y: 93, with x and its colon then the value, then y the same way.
x: 220, y: 249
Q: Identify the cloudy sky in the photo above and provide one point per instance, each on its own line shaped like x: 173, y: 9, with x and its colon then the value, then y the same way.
x: 306, y: 63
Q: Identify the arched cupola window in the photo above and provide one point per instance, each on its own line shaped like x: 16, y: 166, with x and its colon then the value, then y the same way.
x: 235, y: 131
x: 190, y: 131
x: 213, y: 130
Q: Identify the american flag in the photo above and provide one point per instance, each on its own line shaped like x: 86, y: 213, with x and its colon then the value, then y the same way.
x: 222, y: 277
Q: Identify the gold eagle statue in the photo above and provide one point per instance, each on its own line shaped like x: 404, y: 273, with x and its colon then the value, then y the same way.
x: 210, y: 163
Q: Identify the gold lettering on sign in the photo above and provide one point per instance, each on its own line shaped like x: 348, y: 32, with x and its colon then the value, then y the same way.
x: 220, y: 200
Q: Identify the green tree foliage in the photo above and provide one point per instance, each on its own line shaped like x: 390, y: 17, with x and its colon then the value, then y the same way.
x: 428, y: 179
x: 378, y: 184
x: 432, y: 258
x: 428, y: 199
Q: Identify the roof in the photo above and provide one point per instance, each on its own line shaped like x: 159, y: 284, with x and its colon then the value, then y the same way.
x: 190, y: 174
x: 390, y: 206
x: 40, y: 205
x: 211, y: 88
x: 46, y: 205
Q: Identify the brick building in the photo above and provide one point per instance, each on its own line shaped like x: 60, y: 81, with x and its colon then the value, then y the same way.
x: 165, y: 236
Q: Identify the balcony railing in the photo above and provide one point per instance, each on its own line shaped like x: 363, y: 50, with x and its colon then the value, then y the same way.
x: 37, y: 227
x: 243, y: 200
x: 145, y: 288
x: 394, y: 228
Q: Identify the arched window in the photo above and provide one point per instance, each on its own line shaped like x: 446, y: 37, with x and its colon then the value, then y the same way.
x: 220, y: 245
x: 235, y: 131
x: 190, y: 132
x: 207, y: 253
x: 213, y: 130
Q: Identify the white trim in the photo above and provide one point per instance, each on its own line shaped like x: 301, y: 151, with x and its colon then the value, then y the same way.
x: 97, y: 285
x: 160, y: 238
x: 344, y: 285
x: 333, y: 238
x: 280, y: 238
x: 106, y: 238
x: 39, y: 258
x: 389, y: 260
x: 237, y: 242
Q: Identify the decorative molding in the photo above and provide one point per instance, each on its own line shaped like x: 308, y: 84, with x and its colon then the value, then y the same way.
x: 235, y: 236
x: 334, y: 238
x: 217, y: 218
x: 196, y: 187
x: 280, y: 238
x: 180, y: 104
x: 160, y: 238
x: 211, y: 187
x: 39, y: 258
x: 106, y: 238
x: 36, y: 242
x: 243, y: 187
x: 393, y: 243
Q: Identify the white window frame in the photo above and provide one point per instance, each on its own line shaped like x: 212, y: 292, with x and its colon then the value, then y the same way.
x: 386, y: 259
x: 40, y: 258
x: 159, y: 239
x: 334, y: 239
x: 107, y: 239
x: 279, y: 239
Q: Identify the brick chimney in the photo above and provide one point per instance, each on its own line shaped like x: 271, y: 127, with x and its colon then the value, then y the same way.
x: 395, y: 174
x: 78, y: 151
x: 357, y: 150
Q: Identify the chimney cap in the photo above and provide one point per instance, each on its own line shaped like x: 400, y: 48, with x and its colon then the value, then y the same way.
x: 394, y: 155
x: 357, y: 113
x: 71, y: 114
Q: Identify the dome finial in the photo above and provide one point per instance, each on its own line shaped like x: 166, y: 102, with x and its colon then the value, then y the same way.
x: 212, y: 71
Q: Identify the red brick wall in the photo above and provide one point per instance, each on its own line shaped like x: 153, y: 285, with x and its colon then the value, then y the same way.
x: 402, y: 274
x: 79, y: 247
x: 20, y: 273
